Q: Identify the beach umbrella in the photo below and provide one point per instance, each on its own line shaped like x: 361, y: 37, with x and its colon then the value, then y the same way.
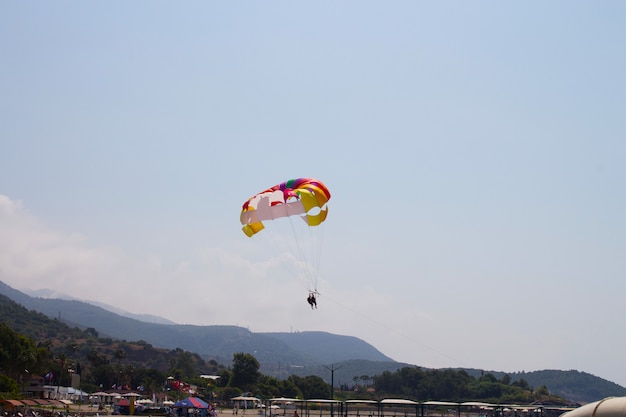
x: 191, y: 402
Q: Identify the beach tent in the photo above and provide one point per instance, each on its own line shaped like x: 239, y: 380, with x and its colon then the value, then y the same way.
x: 191, y: 402
x: 252, y: 399
x: 284, y: 401
x: 243, y: 401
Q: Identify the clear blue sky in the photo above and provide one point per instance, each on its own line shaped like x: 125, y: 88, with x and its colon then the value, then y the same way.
x: 475, y: 152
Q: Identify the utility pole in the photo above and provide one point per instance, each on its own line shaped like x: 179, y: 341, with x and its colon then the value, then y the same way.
x: 332, y: 370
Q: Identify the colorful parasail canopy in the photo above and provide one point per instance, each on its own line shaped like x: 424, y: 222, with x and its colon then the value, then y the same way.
x: 303, y: 197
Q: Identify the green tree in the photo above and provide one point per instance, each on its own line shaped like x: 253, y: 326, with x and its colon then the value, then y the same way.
x: 97, y: 359
x: 311, y: 386
x: 269, y: 387
x: 487, y: 388
x: 120, y: 354
x: 19, y: 355
x: 225, y: 377
x: 183, y: 365
x: 245, y: 371
x: 8, y: 385
x: 91, y: 332
x: 522, y: 383
x: 151, y: 379
x: 229, y: 392
x: 103, y: 375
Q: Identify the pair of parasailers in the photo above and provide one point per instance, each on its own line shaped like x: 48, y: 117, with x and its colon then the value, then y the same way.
x: 312, y: 300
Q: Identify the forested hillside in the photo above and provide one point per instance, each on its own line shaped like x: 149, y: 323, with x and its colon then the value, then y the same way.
x: 219, y: 342
x: 574, y: 385
x: 86, y: 346
x: 103, y: 360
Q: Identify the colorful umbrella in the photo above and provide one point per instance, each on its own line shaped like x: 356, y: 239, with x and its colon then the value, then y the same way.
x: 191, y: 402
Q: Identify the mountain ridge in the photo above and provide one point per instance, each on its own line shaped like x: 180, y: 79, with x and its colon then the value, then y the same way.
x: 215, y: 341
x: 285, y: 354
x: 51, y: 294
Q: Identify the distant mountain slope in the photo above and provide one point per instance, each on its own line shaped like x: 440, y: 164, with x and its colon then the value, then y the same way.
x: 574, y: 385
x: 54, y: 335
x: 219, y: 342
x: 581, y: 386
x: 283, y: 354
x: 51, y: 294
x: 316, y: 344
x: 344, y: 371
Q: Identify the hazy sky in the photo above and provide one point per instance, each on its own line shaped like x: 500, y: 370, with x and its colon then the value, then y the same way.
x: 475, y: 152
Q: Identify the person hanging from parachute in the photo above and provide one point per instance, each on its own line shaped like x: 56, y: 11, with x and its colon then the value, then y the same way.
x: 312, y: 300
x: 303, y: 198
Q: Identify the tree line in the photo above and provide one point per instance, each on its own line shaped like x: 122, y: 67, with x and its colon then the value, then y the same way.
x: 105, y: 364
x: 458, y: 386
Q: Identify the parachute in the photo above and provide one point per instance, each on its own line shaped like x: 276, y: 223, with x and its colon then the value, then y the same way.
x: 299, y: 203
